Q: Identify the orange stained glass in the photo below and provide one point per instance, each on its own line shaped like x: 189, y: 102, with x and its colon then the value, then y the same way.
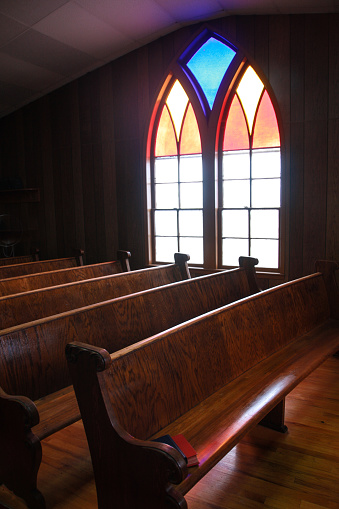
x: 236, y: 132
x: 266, y: 131
x: 166, y: 144
x: 190, y: 142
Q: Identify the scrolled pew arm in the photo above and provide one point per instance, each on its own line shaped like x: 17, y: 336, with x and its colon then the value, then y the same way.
x: 18, y: 440
x: 145, y: 469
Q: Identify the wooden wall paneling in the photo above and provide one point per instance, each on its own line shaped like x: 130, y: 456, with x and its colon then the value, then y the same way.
x: 332, y: 232
x: 229, y: 28
x: 79, y: 240
x: 47, y: 242
x: 246, y: 34
x: 110, y: 213
x: 87, y: 164
x: 128, y: 154
x: 315, y: 168
x: 296, y: 180
x: 279, y: 79
x: 261, y: 33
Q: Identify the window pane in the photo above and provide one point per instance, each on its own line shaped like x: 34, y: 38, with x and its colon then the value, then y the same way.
x: 194, y: 247
x: 236, y: 193
x: 232, y: 249
x: 166, y: 196
x: 249, y: 91
x: 266, y: 193
x: 236, y: 165
x: 177, y: 101
x: 191, y: 168
x: 165, y: 247
x: 190, y: 223
x: 265, y: 224
x: 235, y: 223
x: 166, y: 222
x: 166, y: 169
x: 267, y: 252
x: 191, y: 196
x: 265, y: 163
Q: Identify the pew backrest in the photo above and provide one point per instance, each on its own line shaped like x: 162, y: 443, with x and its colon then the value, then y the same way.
x: 31, y: 282
x: 29, y: 306
x: 32, y: 361
x: 151, y: 383
x: 21, y: 269
x: 13, y: 260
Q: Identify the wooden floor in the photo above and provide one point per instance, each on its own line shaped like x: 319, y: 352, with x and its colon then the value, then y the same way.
x: 266, y: 470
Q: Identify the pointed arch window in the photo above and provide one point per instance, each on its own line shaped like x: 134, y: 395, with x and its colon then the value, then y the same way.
x: 178, y: 188
x: 214, y: 98
x: 251, y: 176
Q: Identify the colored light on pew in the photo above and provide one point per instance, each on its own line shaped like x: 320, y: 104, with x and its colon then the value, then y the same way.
x: 236, y: 132
x: 266, y: 131
x: 190, y: 142
x: 209, y: 65
x: 249, y: 91
x: 166, y: 144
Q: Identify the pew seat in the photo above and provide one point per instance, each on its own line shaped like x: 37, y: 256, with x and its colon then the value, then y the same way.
x: 211, y: 379
x: 36, y: 399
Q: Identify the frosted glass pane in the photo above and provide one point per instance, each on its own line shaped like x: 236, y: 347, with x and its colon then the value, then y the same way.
x: 236, y: 193
x: 166, y: 222
x: 235, y: 223
x: 265, y: 163
x: 265, y: 224
x: 236, y: 165
x: 190, y: 223
x: 232, y: 249
x: 191, y: 168
x: 166, y: 196
x: 191, y: 196
x: 194, y: 247
x: 166, y: 169
x: 266, y: 193
x: 165, y: 247
x: 267, y: 252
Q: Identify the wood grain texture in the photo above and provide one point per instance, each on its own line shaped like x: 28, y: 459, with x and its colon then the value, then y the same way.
x: 212, y: 378
x: 21, y: 269
x: 33, y: 363
x: 24, y: 307
x: 57, y: 277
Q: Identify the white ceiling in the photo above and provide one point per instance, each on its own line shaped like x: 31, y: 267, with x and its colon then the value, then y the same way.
x: 47, y: 43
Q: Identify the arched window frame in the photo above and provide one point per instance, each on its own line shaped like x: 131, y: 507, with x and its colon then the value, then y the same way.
x: 211, y: 125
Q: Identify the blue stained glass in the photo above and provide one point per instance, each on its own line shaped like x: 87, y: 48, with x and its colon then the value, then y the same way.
x: 209, y: 65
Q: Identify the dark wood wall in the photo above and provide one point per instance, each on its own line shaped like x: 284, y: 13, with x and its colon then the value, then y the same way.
x: 84, y: 144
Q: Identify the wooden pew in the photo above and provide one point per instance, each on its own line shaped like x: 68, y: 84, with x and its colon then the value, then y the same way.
x: 21, y: 269
x: 62, y: 276
x: 34, y: 378
x: 13, y: 260
x: 26, y: 307
x: 211, y: 379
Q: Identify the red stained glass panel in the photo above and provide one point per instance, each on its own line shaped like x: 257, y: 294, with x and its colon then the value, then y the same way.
x: 266, y: 131
x: 236, y: 132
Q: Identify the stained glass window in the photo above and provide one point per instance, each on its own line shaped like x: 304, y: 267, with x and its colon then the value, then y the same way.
x: 247, y: 193
x: 178, y: 185
x: 251, y: 176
